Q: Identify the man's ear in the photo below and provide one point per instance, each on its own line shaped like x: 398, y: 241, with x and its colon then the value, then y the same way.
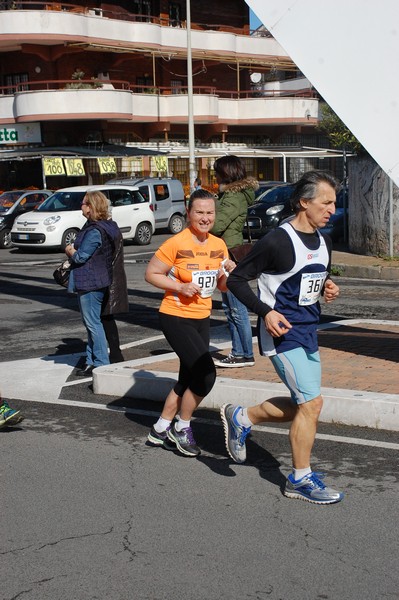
x: 304, y: 203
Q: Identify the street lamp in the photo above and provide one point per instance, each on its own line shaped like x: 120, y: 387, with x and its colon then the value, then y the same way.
x: 191, y: 147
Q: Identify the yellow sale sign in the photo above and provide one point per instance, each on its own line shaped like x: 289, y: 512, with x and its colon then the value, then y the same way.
x: 106, y: 165
x: 74, y: 167
x: 53, y: 166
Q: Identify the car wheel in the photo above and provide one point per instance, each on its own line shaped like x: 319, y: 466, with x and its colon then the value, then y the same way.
x: 68, y: 238
x: 143, y: 234
x: 176, y: 224
x: 5, y: 238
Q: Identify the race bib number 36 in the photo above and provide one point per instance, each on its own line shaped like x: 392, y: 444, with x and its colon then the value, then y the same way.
x: 207, y: 280
x: 311, y: 287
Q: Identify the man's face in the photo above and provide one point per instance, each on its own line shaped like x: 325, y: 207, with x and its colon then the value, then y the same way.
x: 319, y: 210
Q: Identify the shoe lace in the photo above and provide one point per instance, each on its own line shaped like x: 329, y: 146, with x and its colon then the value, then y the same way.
x: 188, y: 432
x: 4, y: 406
x: 245, y: 431
x: 316, y: 479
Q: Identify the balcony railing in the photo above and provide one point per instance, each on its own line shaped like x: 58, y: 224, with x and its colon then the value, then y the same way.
x: 117, y: 84
x: 111, y: 11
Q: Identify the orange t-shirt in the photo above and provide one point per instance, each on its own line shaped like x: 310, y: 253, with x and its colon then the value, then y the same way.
x: 190, y: 261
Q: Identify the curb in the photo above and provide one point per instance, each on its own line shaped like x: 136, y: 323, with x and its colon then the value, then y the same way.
x: 366, y: 272
x: 346, y: 407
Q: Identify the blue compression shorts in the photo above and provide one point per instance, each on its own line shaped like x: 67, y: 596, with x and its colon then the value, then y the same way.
x: 300, y: 371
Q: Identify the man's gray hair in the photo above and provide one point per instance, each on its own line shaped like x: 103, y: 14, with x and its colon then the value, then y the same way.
x: 306, y: 187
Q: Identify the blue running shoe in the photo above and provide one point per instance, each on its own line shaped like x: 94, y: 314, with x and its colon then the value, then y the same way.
x: 9, y: 416
x: 312, y: 489
x: 234, y: 433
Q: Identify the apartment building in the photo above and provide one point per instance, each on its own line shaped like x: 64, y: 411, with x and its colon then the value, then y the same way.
x: 93, y: 80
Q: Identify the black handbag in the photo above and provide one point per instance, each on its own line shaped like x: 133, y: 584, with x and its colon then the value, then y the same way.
x: 238, y: 253
x: 62, y: 272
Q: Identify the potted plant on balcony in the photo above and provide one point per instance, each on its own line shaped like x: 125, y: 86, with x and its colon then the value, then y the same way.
x: 79, y: 84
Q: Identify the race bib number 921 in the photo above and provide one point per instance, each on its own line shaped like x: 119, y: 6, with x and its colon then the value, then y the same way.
x: 207, y: 281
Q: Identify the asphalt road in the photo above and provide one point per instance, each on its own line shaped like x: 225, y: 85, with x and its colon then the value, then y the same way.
x: 90, y: 511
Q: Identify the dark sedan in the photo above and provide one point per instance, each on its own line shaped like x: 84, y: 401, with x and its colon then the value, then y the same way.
x: 274, y: 206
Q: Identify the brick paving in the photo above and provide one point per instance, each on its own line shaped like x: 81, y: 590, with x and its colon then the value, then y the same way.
x: 361, y: 356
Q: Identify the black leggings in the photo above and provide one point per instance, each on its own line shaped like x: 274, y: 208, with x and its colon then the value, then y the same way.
x: 189, y: 338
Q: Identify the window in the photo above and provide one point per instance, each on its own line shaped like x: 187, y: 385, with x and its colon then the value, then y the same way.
x: 15, y: 79
x: 176, y: 86
x: 161, y: 192
x: 124, y: 197
x: 143, y: 9
x: 145, y: 85
x: 175, y: 14
x: 32, y: 200
x: 145, y: 192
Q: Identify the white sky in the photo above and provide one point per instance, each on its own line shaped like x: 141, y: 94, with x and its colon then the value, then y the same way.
x: 347, y: 49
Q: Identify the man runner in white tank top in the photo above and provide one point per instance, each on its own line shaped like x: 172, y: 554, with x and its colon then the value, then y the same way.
x: 291, y: 264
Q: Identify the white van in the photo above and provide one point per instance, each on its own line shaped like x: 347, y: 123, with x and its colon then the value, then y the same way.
x: 166, y: 198
x: 56, y: 222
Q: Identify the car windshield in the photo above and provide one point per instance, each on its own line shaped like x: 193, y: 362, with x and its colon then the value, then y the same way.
x: 8, y: 199
x: 62, y: 201
x: 275, y: 195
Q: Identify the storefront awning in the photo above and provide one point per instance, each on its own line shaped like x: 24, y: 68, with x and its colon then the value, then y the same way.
x: 90, y: 151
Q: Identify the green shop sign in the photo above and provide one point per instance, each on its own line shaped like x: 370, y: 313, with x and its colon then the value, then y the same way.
x: 26, y: 133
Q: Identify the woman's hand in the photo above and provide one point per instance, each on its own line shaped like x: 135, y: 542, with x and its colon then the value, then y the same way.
x: 69, y: 250
x: 189, y: 289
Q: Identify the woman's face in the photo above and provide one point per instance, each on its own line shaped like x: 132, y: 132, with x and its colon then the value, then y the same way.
x: 202, y: 215
x: 85, y: 208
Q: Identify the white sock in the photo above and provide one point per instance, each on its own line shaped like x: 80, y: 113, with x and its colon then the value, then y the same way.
x: 180, y: 424
x: 299, y: 473
x: 242, y: 418
x: 161, y: 425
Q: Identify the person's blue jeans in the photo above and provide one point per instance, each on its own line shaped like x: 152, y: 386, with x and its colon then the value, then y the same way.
x: 239, y: 325
x: 90, y: 304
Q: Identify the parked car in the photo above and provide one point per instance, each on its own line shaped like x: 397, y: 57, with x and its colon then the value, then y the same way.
x: 56, y: 222
x: 267, y: 185
x: 335, y: 227
x: 12, y: 205
x: 166, y: 198
x: 272, y: 207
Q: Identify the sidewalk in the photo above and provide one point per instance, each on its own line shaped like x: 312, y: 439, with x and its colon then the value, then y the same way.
x: 360, y: 381
x: 365, y: 267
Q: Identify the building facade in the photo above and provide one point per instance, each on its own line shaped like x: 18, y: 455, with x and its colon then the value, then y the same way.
x: 83, y: 76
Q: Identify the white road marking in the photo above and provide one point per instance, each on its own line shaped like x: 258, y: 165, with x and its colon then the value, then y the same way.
x: 264, y: 429
x: 42, y: 379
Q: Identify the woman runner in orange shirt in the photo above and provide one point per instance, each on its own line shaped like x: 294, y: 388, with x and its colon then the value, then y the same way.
x: 189, y: 267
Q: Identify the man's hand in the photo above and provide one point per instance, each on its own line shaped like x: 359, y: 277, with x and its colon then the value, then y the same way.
x: 331, y: 291
x: 276, y: 324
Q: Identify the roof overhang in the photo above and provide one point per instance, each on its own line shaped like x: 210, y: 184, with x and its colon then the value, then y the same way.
x: 95, y: 151
x: 251, y: 152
